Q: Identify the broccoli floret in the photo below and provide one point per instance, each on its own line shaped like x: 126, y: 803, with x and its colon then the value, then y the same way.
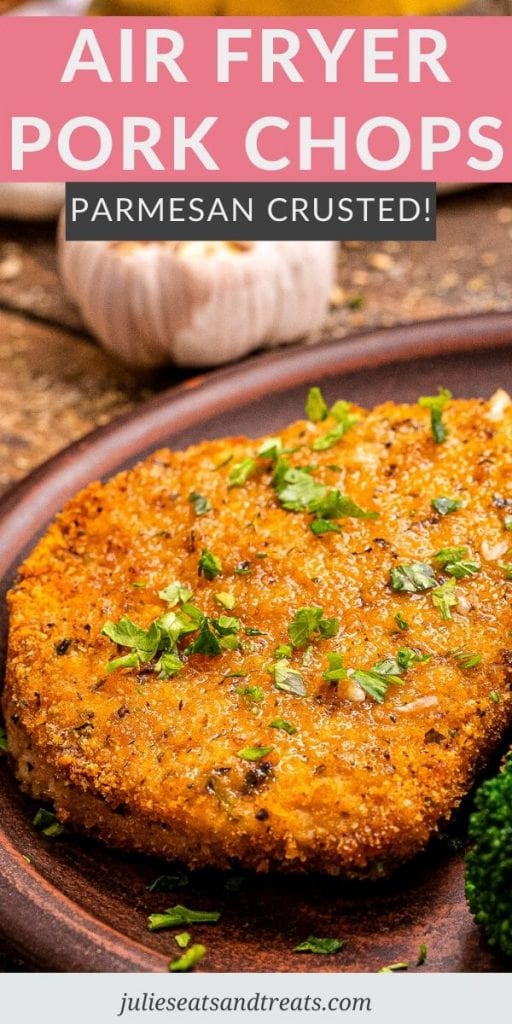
x: 489, y: 861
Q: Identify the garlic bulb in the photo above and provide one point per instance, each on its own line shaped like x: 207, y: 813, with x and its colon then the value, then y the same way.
x: 197, y: 303
x: 40, y: 200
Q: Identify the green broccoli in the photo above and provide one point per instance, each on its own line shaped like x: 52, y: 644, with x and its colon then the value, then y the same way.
x: 489, y: 861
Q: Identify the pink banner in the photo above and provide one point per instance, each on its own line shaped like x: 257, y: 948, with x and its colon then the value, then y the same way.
x: 252, y: 99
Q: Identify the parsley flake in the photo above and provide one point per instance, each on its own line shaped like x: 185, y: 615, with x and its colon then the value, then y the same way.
x: 125, y: 661
x: 320, y: 526
x: 336, y: 433
x: 287, y: 678
x: 283, y: 725
x: 401, y: 622
x: 271, y: 448
x: 200, y: 504
x: 254, y: 693
x: 226, y: 600
x: 176, y: 593
x: 413, y: 577
x: 374, y: 683
x: 445, y: 505
x: 311, y: 622
x: 316, y: 407
x: 324, y: 947
x: 445, y: 599
x: 422, y: 955
x: 253, y: 753
x: 466, y: 659
x: 46, y: 822
x: 190, y: 958
x: 209, y: 565
x: 454, y: 561
x: 436, y: 404
x: 205, y: 642
x: 3, y: 740
x: 337, y: 670
x: 241, y: 472
x: 178, y: 915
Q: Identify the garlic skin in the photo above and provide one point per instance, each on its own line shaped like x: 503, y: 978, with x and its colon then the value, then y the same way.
x: 197, y: 303
x: 39, y: 200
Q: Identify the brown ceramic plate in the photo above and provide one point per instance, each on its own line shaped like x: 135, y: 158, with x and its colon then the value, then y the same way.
x: 71, y: 904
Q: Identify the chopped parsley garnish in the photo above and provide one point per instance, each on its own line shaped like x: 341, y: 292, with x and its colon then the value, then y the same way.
x: 125, y: 661
x: 253, y: 753
x: 323, y: 946
x: 507, y: 523
x: 308, y: 623
x: 401, y: 622
x: 298, y: 491
x: 337, y: 670
x: 252, y: 631
x: 467, y: 659
x: 3, y: 740
x: 320, y: 526
x: 283, y: 651
x: 422, y: 955
x: 241, y: 472
x: 403, y: 966
x: 454, y: 561
x: 413, y: 577
x: 126, y: 633
x: 209, y: 565
x: 375, y: 682
x: 190, y: 958
x: 495, y: 697
x: 445, y: 599
x: 407, y: 657
x: 182, y: 939
x: 205, y: 642
x: 176, y: 916
x: 316, y: 407
x: 46, y: 822
x: 445, y: 505
x: 176, y: 593
x: 507, y: 569
x: 168, y: 883
x: 226, y: 624
x: 283, y: 725
x: 328, y: 440
x: 436, y: 404
x: 168, y: 665
x: 165, y: 633
x: 200, y: 504
x: 287, y: 678
x: 227, y: 601
x: 335, y: 505
x: 271, y: 448
x: 253, y: 693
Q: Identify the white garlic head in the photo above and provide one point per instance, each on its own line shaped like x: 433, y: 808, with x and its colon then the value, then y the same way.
x: 197, y: 303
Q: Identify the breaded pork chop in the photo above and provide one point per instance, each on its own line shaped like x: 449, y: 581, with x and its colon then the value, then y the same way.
x: 292, y: 653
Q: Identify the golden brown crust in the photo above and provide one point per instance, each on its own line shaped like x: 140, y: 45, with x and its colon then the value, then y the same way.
x: 152, y: 764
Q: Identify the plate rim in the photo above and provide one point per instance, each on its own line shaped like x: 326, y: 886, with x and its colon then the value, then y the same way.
x: 88, y: 943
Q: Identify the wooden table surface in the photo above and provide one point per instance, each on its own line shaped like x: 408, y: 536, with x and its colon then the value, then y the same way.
x: 56, y: 384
